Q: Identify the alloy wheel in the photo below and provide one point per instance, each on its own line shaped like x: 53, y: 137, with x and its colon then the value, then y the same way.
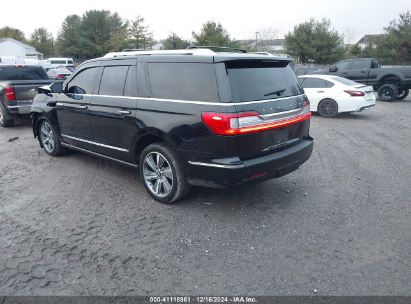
x: 387, y: 93
x: 158, y: 174
x: 47, y: 137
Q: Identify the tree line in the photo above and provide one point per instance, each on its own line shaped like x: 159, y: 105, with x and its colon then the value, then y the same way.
x: 98, y: 32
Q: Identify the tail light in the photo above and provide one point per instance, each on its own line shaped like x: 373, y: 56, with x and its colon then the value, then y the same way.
x: 60, y: 76
x: 9, y: 93
x: 354, y: 93
x: 249, y: 122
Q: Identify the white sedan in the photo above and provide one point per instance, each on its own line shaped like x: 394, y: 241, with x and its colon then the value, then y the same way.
x: 330, y: 95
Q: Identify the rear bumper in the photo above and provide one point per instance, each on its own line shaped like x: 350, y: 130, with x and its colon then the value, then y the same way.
x: 20, y: 107
x: 218, y: 174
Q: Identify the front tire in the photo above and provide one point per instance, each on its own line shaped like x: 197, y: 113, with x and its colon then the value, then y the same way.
x: 5, y: 121
x: 161, y: 174
x: 328, y: 108
x: 49, y: 139
x: 388, y: 92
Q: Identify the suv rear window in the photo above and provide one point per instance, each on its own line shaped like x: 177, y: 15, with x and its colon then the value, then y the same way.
x: 260, y: 80
x: 183, y: 81
x: 22, y: 73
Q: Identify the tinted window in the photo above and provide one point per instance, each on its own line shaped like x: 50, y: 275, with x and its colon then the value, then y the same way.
x: 358, y: 64
x: 374, y: 64
x: 258, y: 80
x: 22, y: 73
x: 343, y: 65
x: 83, y: 82
x: 70, y: 61
x: 314, y: 83
x: 112, y: 81
x: 184, y: 81
x: 130, y: 88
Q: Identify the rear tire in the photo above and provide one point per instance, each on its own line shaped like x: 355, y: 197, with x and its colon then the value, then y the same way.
x: 402, y: 93
x: 388, y: 92
x: 328, y: 108
x: 5, y: 120
x: 49, y: 138
x: 162, y: 174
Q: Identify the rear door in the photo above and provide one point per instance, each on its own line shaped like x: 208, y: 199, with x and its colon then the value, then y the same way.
x: 273, y: 112
x: 113, y: 109
x: 316, y: 90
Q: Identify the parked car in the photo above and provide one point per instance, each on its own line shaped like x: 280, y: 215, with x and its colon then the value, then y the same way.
x: 330, y: 95
x: 188, y: 117
x: 390, y: 82
x: 18, y: 86
x: 60, y: 73
x: 53, y: 63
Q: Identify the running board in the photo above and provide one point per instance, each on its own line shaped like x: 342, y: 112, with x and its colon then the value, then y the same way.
x: 98, y: 154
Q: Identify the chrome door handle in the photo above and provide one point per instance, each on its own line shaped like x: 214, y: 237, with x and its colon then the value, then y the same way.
x: 124, y: 112
x: 320, y: 91
x: 82, y: 107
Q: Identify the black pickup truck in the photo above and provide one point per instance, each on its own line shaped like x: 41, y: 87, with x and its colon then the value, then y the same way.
x: 390, y: 82
x: 18, y: 87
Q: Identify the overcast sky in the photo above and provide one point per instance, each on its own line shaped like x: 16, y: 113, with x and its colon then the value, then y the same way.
x: 241, y: 18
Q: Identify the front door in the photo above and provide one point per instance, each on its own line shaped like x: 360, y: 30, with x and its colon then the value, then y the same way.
x: 73, y: 108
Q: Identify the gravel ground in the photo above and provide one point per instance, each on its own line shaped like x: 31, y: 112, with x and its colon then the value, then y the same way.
x: 340, y: 225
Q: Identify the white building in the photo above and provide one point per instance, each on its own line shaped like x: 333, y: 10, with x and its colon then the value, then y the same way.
x: 16, y: 51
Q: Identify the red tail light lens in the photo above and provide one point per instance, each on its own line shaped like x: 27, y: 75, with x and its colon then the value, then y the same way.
x: 249, y: 122
x: 9, y: 93
x: 354, y: 93
x: 59, y: 76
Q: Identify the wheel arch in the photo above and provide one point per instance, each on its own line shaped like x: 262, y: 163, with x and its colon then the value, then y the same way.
x: 149, y: 137
x: 391, y: 78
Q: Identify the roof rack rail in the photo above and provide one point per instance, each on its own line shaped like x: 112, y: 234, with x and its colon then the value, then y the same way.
x: 216, y: 48
x: 159, y: 52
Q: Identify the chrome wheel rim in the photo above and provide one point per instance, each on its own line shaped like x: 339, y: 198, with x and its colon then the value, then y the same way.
x: 158, y: 174
x: 47, y: 137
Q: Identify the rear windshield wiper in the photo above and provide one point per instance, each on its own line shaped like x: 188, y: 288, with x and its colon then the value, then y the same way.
x: 278, y: 92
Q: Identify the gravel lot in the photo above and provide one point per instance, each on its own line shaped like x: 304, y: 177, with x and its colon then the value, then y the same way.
x: 341, y: 225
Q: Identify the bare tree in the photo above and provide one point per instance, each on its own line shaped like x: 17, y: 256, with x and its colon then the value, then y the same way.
x: 350, y: 35
x: 265, y: 36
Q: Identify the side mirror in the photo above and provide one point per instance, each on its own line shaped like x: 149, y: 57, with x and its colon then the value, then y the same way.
x: 44, y: 90
x: 333, y: 69
x: 56, y: 87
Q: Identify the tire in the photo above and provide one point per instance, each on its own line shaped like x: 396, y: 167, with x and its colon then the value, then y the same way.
x: 49, y: 138
x: 402, y: 93
x: 328, y: 108
x: 155, y: 160
x: 5, y: 121
x: 388, y: 92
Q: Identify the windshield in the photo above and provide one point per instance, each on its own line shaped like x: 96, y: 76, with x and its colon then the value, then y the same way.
x: 259, y: 80
x: 344, y: 81
x: 22, y: 73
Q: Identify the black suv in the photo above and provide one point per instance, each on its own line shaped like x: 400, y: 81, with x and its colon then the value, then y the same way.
x: 188, y: 117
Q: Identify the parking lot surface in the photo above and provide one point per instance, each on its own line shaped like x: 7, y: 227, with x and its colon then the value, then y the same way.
x: 340, y: 225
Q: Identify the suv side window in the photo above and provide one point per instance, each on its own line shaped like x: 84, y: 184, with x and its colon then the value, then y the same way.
x: 83, y: 82
x: 112, y: 80
x: 183, y: 81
